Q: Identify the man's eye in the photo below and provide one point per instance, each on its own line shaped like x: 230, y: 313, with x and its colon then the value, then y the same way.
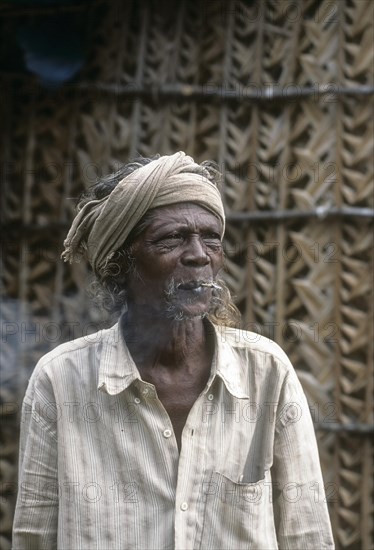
x: 214, y: 236
x: 212, y: 239
x: 173, y: 237
x: 170, y: 240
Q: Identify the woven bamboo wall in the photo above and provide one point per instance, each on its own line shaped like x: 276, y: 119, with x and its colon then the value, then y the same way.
x: 279, y: 93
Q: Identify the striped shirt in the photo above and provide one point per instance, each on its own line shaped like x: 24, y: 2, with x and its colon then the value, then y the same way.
x: 100, y: 467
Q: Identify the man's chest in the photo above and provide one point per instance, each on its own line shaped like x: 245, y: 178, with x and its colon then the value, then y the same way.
x: 177, y: 397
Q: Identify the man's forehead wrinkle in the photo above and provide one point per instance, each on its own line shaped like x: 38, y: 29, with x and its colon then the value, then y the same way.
x: 183, y: 219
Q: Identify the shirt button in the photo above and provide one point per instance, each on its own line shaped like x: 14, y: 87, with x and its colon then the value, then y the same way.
x: 137, y: 400
x: 145, y: 391
x: 210, y: 397
x: 167, y: 433
x: 184, y: 506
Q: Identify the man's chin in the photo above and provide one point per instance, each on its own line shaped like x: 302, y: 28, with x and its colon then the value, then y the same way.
x: 186, y: 313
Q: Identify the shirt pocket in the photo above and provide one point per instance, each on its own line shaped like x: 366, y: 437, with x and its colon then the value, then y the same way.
x: 237, y: 515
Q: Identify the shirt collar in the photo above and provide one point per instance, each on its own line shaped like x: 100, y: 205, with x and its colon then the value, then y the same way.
x: 117, y: 369
x: 229, y: 365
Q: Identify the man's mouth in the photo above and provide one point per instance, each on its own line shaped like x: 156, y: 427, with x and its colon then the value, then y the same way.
x: 197, y: 285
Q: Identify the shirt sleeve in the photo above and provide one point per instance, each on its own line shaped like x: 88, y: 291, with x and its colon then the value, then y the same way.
x: 35, y: 521
x: 300, y: 507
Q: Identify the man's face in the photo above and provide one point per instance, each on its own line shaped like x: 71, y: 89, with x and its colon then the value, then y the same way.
x: 178, y: 252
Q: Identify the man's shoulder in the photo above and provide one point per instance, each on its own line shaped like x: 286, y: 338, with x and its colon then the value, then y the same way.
x: 249, y: 342
x: 79, y: 347
x: 81, y: 354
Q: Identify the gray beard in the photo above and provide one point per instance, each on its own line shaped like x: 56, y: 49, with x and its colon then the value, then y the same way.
x: 174, y: 312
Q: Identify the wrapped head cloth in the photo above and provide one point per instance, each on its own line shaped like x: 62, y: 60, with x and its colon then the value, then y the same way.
x: 102, y: 226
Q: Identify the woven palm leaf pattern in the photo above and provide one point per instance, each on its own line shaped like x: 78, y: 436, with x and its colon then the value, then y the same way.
x: 280, y: 95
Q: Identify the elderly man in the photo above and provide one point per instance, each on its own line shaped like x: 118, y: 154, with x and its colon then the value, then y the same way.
x: 172, y: 429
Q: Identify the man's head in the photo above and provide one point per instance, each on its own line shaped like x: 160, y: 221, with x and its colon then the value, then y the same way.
x: 177, y: 259
x: 152, y: 234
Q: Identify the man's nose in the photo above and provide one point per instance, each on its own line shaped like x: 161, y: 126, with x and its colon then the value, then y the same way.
x: 195, y: 252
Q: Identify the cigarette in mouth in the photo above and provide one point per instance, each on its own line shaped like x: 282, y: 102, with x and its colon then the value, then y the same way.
x: 212, y: 285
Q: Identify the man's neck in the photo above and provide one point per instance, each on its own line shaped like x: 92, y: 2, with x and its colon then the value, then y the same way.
x: 155, y: 340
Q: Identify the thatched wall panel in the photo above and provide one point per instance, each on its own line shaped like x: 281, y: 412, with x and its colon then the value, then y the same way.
x: 262, y: 88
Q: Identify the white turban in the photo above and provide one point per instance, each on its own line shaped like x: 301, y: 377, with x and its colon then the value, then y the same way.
x: 102, y: 226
